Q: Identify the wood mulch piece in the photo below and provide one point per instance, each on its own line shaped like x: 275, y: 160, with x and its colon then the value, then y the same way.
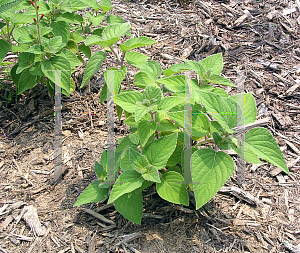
x: 260, y: 38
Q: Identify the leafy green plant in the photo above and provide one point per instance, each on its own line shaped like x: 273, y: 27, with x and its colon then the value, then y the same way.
x: 156, y: 150
x: 47, y: 36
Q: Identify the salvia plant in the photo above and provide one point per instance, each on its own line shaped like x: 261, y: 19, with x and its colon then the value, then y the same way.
x: 180, y: 127
x: 48, y: 36
x: 156, y: 150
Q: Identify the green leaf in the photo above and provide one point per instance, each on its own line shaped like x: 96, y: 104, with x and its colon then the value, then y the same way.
x: 25, y: 38
x: 127, y: 100
x: 175, y: 168
x: 86, y: 50
x: 250, y: 112
x: 70, y: 17
x: 174, y: 83
x: 61, y: 28
x: 138, y: 161
x: 210, y: 171
x: 130, y: 205
x: 114, y: 32
x: 159, y: 151
x: 93, y: 3
x: 159, y: 116
x: 153, y: 92
x: 103, y: 159
x: 25, y: 60
x: 130, y: 121
x: 151, y: 174
x: 26, y: 81
x: 52, y: 45
x: 72, y: 46
x: 141, y: 109
x: 207, y: 87
x: 36, y: 69
x: 172, y: 188
x: 55, y: 42
x: 177, y: 116
x: 134, y: 137
x: 176, y: 156
x: 215, y: 127
x: 136, y: 59
x: 146, y: 129
x: 125, y: 162
x: 119, y: 112
x: 36, y: 49
x: 200, y: 122
x: 105, y: 5
x: 198, y: 68
x: 15, y: 77
x: 18, y: 32
x: 136, y: 42
x: 177, y: 68
x: 100, y: 171
x: 58, y: 63
x: 223, y: 144
x: 4, y: 48
x: 126, y: 142
x: 221, y: 109
x: 72, y: 59
x: 248, y: 156
x: 45, y: 30
x: 103, y: 93
x: 93, y: 66
x: 220, y: 92
x: 127, y: 182
x: 217, y: 138
x: 261, y: 142
x: 92, y: 39
x: 118, y: 77
x: 78, y: 5
x: 8, y: 4
x: 213, y: 62
x: 168, y: 103
x: 98, y: 31
x: 43, y: 9
x: 220, y: 80
x: 114, y: 19
x: 92, y: 194
x: 142, y: 80
x: 97, y: 19
x: 200, y: 125
x: 152, y: 67
x: 76, y: 37
x: 166, y: 125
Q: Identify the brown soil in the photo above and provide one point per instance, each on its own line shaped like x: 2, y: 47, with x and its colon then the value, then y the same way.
x: 265, y: 45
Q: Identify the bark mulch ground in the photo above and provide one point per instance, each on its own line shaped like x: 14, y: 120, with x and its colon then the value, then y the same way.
x: 259, y: 39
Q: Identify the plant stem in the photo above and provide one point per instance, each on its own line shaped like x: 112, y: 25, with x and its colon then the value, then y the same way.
x: 114, y: 62
x: 7, y: 28
x: 122, y: 59
x: 210, y: 140
x: 115, y: 53
x: 87, y: 27
x: 128, y: 83
x: 153, y: 116
x: 38, y: 27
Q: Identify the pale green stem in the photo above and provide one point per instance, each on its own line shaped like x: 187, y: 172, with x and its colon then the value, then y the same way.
x: 38, y: 27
